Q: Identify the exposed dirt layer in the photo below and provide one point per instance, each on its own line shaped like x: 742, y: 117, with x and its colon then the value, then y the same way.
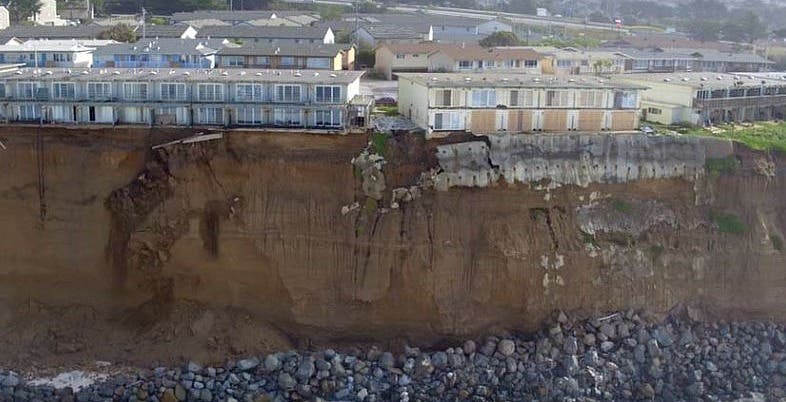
x: 114, y: 252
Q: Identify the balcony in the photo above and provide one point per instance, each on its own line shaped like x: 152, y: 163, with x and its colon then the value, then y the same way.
x: 151, y: 64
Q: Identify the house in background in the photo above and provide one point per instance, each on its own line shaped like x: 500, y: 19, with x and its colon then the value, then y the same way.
x: 488, y: 103
x: 274, y: 35
x: 299, y: 56
x: 451, y: 57
x: 379, y: 34
x: 687, y: 60
x: 5, y: 17
x: 166, y: 31
x: 50, y: 53
x: 160, y: 53
x: 571, y: 61
x: 477, y: 59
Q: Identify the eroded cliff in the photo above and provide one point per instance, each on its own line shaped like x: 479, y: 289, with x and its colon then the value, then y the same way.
x: 112, y: 250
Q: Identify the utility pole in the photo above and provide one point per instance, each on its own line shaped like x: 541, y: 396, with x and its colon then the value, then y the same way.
x: 144, y: 24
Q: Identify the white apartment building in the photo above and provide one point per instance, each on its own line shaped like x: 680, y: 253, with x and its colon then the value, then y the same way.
x: 307, y: 99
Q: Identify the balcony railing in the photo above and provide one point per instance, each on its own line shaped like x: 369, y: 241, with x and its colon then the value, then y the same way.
x: 151, y: 64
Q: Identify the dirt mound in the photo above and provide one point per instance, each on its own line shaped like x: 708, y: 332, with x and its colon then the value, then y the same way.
x: 49, y: 337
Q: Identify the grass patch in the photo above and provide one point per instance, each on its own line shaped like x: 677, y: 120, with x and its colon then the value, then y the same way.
x: 621, y: 206
x: 380, y: 143
x: 371, y: 204
x: 777, y: 242
x: 722, y: 165
x: 762, y: 136
x: 588, y: 239
x: 388, y: 110
x: 728, y: 223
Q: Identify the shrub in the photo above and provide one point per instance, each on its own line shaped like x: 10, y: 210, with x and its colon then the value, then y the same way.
x: 621, y: 206
x: 379, y: 141
x: 728, y: 223
x: 728, y: 164
x: 777, y: 242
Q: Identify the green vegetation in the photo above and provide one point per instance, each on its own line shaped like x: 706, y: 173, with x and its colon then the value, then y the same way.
x: 657, y: 250
x: 388, y: 110
x: 621, y: 206
x: 577, y: 42
x: 501, y: 38
x: 728, y: 223
x: 20, y: 10
x: 158, y: 21
x: 761, y: 136
x: 777, y: 242
x: 120, y: 33
x: 728, y: 164
x: 371, y: 205
x: 588, y: 239
x: 379, y: 141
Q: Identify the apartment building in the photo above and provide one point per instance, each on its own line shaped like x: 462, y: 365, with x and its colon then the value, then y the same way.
x: 304, y: 100
x: 572, y: 61
x: 486, y: 103
x: 709, y: 98
x: 160, y: 53
x: 51, y: 53
x: 277, y: 35
x: 299, y: 56
x: 451, y: 57
x: 691, y: 60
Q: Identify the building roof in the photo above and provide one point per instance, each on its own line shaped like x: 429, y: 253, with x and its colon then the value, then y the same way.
x: 90, y: 31
x: 184, y: 75
x: 163, y: 31
x: 384, y: 31
x: 300, y: 49
x: 47, y: 46
x: 485, y: 80
x: 263, y: 32
x: 199, y: 47
x: 578, y: 54
x: 236, y: 15
x: 412, y: 48
x: 208, y: 22
x: 702, y: 79
x: 477, y: 52
x: 730, y: 57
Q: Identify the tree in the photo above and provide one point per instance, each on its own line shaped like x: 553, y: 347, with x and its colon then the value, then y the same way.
x: 705, y: 30
x: 21, y: 10
x: 331, y: 12
x: 120, y: 33
x: 501, y: 38
x: 601, y: 65
x: 750, y: 27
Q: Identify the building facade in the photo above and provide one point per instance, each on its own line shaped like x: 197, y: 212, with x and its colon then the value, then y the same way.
x: 305, y: 100
x: 159, y: 53
x: 709, y: 98
x: 300, y: 56
x: 50, y: 53
x: 516, y: 103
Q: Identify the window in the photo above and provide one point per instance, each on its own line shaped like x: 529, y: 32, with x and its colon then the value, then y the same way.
x: 135, y: 90
x: 318, y: 62
x: 287, y: 117
x: 262, y: 61
x: 564, y: 63
x: 233, y: 61
x: 99, y: 90
x: 705, y: 94
x: 400, y: 56
x: 29, y: 112
x: 211, y: 115
x: 625, y: 99
x: 530, y: 63
x: 521, y: 97
x: 211, y: 92
x: 287, y: 61
x: 328, y: 118
x: 654, y: 110
x: 465, y: 64
x: 26, y: 90
x: 2, y: 91
x: 487, y: 63
x: 328, y: 94
x: 173, y: 91
x: 288, y: 93
x: 484, y: 98
x: 443, y: 97
x: 590, y: 98
x: 64, y: 90
x: 448, y: 121
x: 248, y: 92
x: 557, y: 98
x: 249, y: 116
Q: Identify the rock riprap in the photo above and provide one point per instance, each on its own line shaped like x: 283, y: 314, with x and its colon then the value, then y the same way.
x: 622, y: 356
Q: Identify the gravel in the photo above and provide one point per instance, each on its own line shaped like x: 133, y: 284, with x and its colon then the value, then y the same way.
x: 617, y: 357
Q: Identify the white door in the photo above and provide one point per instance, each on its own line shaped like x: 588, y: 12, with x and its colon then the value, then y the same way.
x: 573, y: 120
x: 537, y: 120
x: 502, y: 120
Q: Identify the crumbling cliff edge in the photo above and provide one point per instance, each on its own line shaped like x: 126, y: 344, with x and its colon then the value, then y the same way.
x: 112, y: 250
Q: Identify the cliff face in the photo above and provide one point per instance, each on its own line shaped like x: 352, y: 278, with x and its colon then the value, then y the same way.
x: 120, y: 245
